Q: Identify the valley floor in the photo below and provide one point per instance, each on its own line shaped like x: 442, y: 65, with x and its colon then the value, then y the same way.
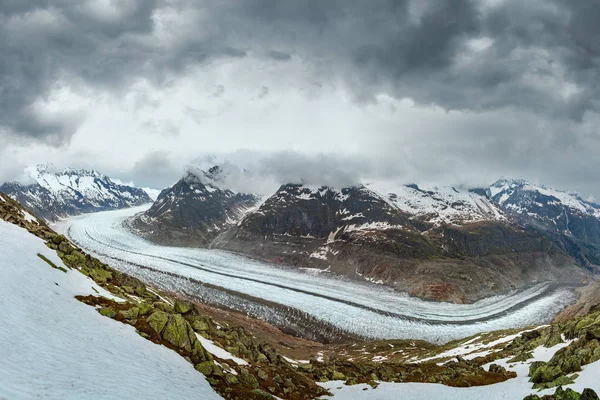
x: 273, y: 294
x: 55, y: 347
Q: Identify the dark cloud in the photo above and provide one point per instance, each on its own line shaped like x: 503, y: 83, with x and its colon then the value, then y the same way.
x: 531, y: 67
x: 157, y: 169
x: 417, y: 49
x: 278, y: 55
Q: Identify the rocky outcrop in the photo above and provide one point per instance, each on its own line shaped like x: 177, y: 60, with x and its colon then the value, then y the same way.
x: 566, y: 394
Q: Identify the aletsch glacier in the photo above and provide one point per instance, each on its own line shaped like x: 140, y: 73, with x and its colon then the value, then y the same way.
x: 360, y: 308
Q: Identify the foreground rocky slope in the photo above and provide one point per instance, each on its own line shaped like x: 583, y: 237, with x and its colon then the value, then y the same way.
x: 72, y: 192
x: 193, y: 211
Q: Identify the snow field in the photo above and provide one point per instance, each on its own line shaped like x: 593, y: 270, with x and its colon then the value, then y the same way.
x: 53, y: 346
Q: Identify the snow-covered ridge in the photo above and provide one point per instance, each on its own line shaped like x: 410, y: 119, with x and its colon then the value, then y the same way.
x: 439, y: 204
x: 71, y: 192
x: 521, y: 196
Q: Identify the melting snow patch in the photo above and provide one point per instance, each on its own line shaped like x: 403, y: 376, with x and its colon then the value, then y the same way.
x: 218, y: 352
x: 29, y: 217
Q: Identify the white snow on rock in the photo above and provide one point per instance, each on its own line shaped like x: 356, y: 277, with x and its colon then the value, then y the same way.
x: 55, y: 347
x: 472, y: 348
x: 440, y: 205
x: 515, y: 388
x: 507, y: 187
x: 29, y: 217
x: 219, y: 352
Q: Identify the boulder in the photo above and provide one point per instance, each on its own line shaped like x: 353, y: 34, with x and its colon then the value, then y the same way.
x: 107, y: 312
x: 338, y: 376
x: 131, y: 313
x: 544, y: 372
x: 497, y: 369
x: 176, y: 332
x: 200, y: 325
x: 205, y: 368
x: 182, y: 307
x: 589, y: 394
x: 144, y: 308
x: 158, y: 320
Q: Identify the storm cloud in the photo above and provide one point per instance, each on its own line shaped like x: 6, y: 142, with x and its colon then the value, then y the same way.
x: 448, y: 90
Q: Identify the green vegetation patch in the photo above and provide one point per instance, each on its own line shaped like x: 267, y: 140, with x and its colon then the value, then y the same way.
x: 50, y: 263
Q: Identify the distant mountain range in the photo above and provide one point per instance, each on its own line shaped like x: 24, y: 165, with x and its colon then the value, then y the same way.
x: 445, y: 243
x: 72, y: 192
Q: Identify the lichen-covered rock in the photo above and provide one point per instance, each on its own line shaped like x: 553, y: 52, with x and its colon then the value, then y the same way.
x: 158, y: 320
x: 161, y: 305
x: 249, y: 379
x: 132, y: 313
x: 262, y: 374
x: 205, y: 368
x: 144, y: 308
x: 99, y: 275
x: 182, y: 307
x: 200, y: 325
x: 566, y: 394
x: 554, y: 338
x: 521, y: 357
x: 261, y: 394
x: 562, y: 380
x: 544, y: 373
x: 337, y: 376
x: 497, y: 369
x: 107, y: 312
x: 176, y: 332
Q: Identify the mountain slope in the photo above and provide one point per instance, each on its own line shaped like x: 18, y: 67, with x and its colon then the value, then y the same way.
x: 442, y: 205
x: 72, y: 192
x: 193, y: 211
x: 357, y: 233
x: 570, y: 221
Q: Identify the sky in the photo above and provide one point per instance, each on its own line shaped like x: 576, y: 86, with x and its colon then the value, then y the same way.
x: 325, y: 92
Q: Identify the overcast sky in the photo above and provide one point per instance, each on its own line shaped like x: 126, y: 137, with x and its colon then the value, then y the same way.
x: 341, y: 91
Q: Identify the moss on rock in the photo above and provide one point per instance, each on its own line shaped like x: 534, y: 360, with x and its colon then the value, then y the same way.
x: 158, y: 320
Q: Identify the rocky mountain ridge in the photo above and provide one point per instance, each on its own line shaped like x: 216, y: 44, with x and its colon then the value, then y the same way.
x: 194, y: 210
x: 570, y: 221
x: 445, y: 243
x: 72, y: 192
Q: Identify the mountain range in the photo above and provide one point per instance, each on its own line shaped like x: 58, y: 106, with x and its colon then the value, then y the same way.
x: 55, y: 195
x: 444, y: 243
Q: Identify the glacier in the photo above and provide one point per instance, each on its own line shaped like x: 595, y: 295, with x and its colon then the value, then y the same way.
x: 362, y: 308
